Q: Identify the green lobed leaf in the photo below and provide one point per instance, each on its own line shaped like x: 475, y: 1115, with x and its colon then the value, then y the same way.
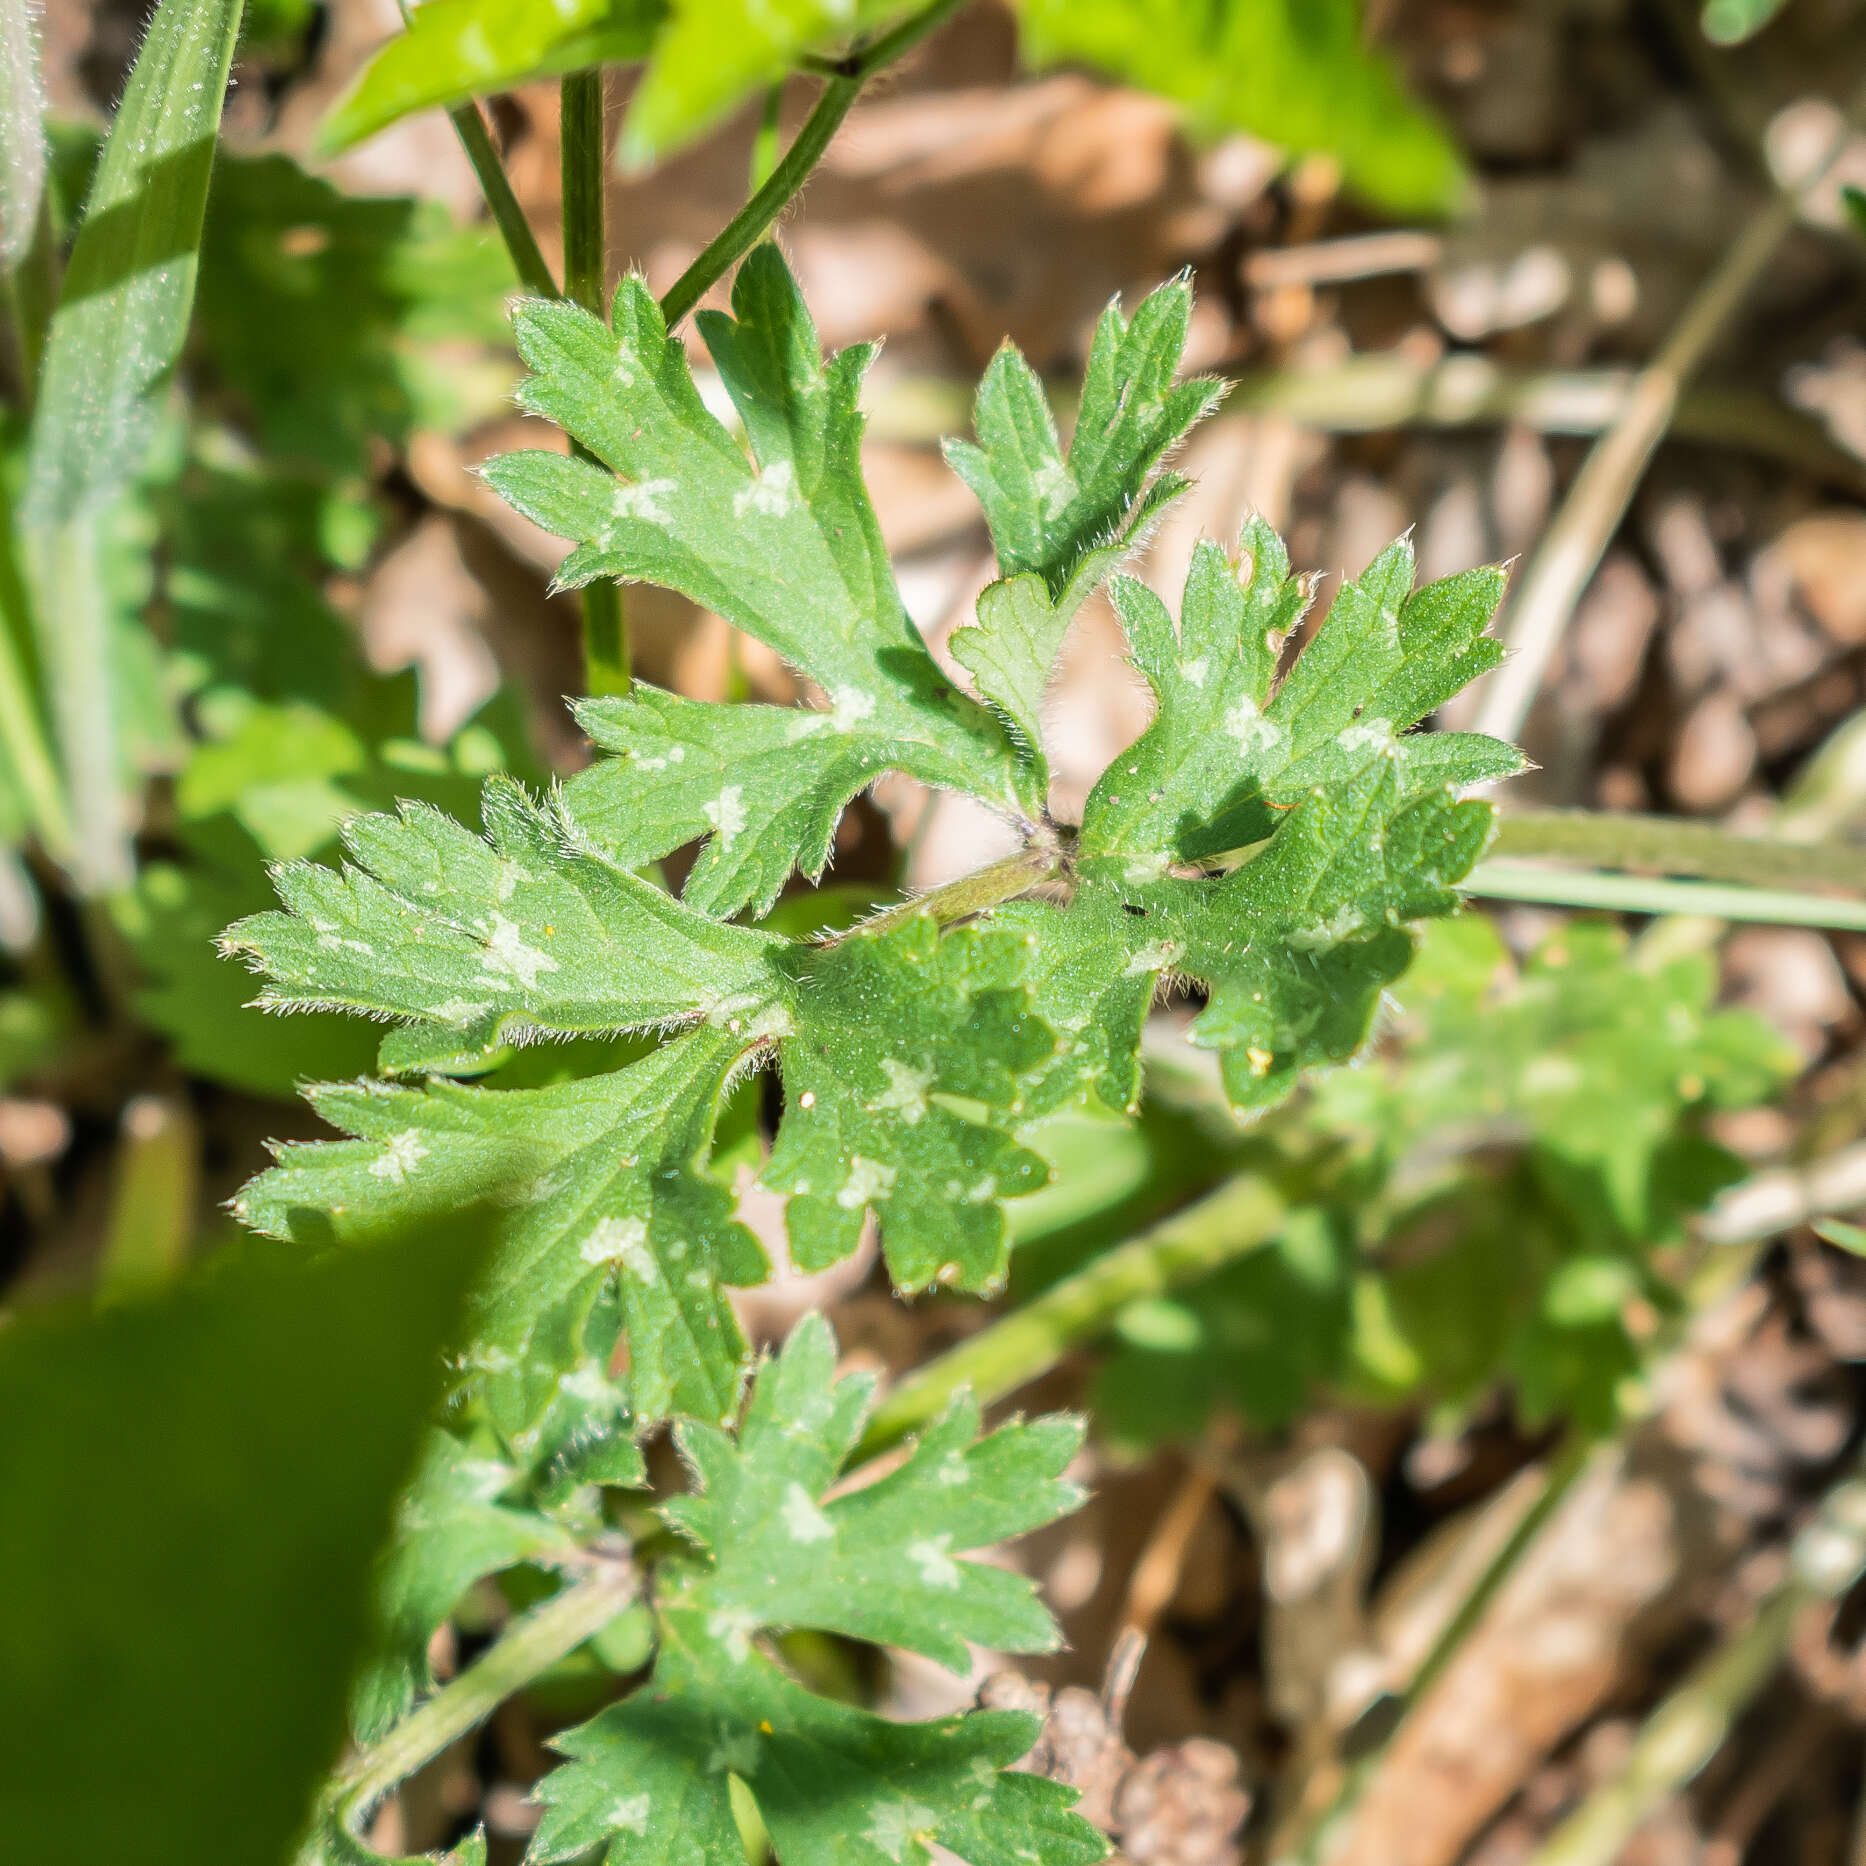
x: 600, y: 1178
x: 1295, y: 72
x: 1225, y: 756
x: 894, y: 1034
x: 784, y: 545
x: 1270, y: 845
x: 520, y: 929
x: 457, y: 49
x: 1050, y: 511
x: 1061, y: 523
x: 649, y: 1778
x: 888, y: 1044
x: 158, y: 1583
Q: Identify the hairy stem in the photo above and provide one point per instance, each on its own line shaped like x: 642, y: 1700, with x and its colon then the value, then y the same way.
x: 526, y: 1649
x: 845, y: 77
x: 1571, y: 549
x: 987, y: 887
x: 534, y: 273
x: 1638, y: 894
x: 1676, y: 846
x: 742, y: 232
x: 1243, y: 1215
x: 605, y: 629
x: 528, y: 261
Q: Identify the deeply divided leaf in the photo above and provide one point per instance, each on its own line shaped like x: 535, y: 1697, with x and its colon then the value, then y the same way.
x: 1268, y: 844
x: 782, y: 542
x: 650, y: 1777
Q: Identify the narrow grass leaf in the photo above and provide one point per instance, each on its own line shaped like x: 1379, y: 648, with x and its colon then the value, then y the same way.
x: 114, y: 338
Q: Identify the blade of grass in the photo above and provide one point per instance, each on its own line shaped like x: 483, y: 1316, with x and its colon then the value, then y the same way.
x: 1640, y: 894
x: 25, y: 230
x: 1679, y: 1738
x: 114, y: 338
x: 1677, y: 846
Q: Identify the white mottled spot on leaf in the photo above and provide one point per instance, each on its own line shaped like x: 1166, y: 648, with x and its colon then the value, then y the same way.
x: 736, y: 1753
x: 932, y: 1555
x: 771, y: 494
x: 623, y: 1241
x: 507, y: 955
x: 906, y: 1092
x: 733, y: 1627
x: 1155, y: 958
x: 1051, y: 484
x: 726, y: 812
x: 1367, y: 735
x: 868, y: 1180
x: 460, y: 1010
x: 896, y: 1826
x: 748, y: 1015
x: 630, y: 1814
x: 643, y: 500
x: 587, y: 1384
x: 803, y: 1521
x: 1194, y: 671
x: 1253, y: 732
x: 399, y: 1157
x: 851, y: 707
x: 1347, y: 919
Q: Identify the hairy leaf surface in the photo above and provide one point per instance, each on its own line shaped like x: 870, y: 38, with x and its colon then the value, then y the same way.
x: 784, y: 544
x: 649, y: 1777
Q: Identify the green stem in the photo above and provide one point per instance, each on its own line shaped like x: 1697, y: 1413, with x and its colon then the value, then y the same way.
x: 1636, y: 894
x: 586, y: 257
x: 528, y: 261
x: 743, y: 231
x: 984, y: 888
x: 534, y: 272
x: 527, y: 1648
x: 1243, y: 1215
x: 1676, y: 846
x: 846, y: 77
x: 1678, y: 1739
